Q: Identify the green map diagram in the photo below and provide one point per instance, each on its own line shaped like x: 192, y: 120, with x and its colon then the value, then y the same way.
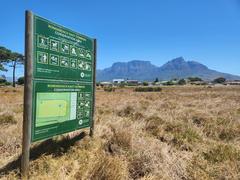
x: 56, y: 107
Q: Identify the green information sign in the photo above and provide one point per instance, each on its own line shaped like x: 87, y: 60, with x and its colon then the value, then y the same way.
x: 63, y: 70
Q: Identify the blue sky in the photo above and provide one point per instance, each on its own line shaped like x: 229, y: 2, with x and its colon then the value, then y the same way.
x: 207, y: 31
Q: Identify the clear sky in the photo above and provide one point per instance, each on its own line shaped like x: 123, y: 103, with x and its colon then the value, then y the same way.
x: 207, y: 31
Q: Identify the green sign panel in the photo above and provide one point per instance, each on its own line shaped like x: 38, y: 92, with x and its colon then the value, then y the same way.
x: 63, y: 77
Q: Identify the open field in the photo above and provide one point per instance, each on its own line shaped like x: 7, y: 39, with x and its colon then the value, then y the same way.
x: 179, y: 133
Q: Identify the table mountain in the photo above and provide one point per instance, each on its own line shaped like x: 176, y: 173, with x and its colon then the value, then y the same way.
x: 145, y: 71
x: 136, y: 69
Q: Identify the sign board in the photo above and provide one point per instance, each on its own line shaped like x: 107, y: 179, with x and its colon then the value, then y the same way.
x: 63, y: 67
x: 59, y: 90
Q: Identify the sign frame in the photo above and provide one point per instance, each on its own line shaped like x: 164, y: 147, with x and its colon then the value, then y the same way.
x: 29, y: 87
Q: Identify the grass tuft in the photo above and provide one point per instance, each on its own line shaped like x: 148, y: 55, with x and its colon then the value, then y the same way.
x: 7, y: 118
x: 153, y: 125
x: 140, y: 166
x: 108, y: 167
x: 221, y: 153
x: 126, y: 111
x: 121, y: 140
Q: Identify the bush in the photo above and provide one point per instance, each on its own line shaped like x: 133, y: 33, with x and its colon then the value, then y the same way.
x: 145, y: 83
x: 219, y: 80
x: 168, y: 83
x: 194, y: 79
x: 148, y: 89
x: 122, y: 85
x: 181, y: 82
x: 8, y: 83
x: 109, y: 89
x: 2, y: 80
x: 20, y: 81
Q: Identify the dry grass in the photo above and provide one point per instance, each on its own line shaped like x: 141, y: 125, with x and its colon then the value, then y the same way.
x: 178, y: 133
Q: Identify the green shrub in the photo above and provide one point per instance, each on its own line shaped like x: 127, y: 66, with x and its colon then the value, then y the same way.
x: 194, y: 79
x: 157, y: 89
x: 2, y: 80
x: 8, y: 83
x: 20, y: 81
x: 181, y: 82
x: 219, y: 80
x: 145, y: 83
x: 148, y: 89
x: 169, y: 83
x: 109, y: 89
x: 122, y: 85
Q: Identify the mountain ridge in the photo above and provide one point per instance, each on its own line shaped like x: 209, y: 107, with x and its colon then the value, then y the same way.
x: 145, y: 70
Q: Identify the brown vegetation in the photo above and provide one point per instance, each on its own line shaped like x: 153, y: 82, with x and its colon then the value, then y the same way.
x: 178, y: 133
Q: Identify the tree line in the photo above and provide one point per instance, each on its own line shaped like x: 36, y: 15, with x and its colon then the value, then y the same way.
x: 8, y: 56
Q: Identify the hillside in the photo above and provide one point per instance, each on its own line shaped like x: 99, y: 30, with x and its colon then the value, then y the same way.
x: 132, y: 70
x: 144, y: 70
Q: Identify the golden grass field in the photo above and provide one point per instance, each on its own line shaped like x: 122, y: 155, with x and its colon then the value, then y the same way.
x: 179, y: 133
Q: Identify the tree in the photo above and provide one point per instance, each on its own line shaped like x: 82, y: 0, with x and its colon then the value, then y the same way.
x: 194, y: 79
x: 7, y: 55
x: 219, y: 80
x: 156, y: 80
x: 2, y: 68
x: 20, y: 81
x: 174, y: 79
x: 2, y: 80
x: 181, y: 82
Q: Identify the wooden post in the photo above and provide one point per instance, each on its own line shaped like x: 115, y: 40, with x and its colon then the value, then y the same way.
x: 27, y: 113
x: 94, y: 86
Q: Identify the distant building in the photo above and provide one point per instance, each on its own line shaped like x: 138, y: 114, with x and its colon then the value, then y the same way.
x: 232, y: 83
x: 105, y: 84
x: 118, y: 81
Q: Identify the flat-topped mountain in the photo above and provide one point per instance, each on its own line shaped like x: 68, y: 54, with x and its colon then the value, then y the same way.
x: 132, y: 70
x: 144, y: 70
